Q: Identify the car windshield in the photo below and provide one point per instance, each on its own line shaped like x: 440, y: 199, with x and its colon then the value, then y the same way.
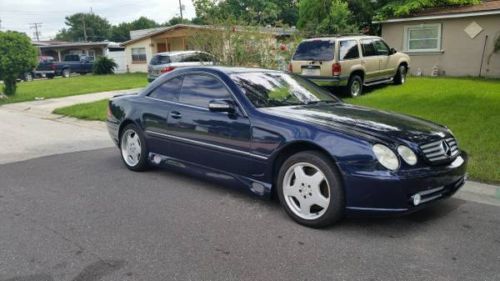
x: 270, y: 89
x: 317, y: 50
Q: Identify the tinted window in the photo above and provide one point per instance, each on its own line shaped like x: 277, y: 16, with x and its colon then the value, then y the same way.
x: 168, y: 90
x: 156, y: 60
x: 349, y: 50
x: 318, y: 50
x: 270, y: 89
x: 368, y: 48
x: 199, y: 90
x: 381, y: 48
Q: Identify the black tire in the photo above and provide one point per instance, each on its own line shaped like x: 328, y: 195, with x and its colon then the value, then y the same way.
x: 65, y: 73
x: 355, y: 86
x: 50, y: 76
x: 28, y: 77
x: 143, y: 163
x: 336, y: 204
x: 400, y: 77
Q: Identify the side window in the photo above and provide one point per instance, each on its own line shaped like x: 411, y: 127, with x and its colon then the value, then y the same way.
x: 349, y: 50
x: 167, y: 91
x: 381, y: 48
x: 189, y: 58
x: 368, y: 48
x: 199, y: 90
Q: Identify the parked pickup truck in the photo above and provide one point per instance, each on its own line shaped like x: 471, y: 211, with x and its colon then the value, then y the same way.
x: 73, y: 64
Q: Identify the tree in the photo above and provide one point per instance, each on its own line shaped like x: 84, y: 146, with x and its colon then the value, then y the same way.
x: 121, y: 32
x: 399, y: 8
x: 321, y: 17
x: 17, y: 56
x: 85, y: 27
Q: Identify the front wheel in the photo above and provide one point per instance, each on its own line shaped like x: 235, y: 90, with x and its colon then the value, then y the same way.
x: 400, y: 77
x: 310, y: 189
x: 355, y: 86
x: 65, y: 73
x: 133, y: 148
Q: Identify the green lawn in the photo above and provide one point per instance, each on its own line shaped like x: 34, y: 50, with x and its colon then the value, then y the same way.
x: 469, y: 107
x: 75, y: 85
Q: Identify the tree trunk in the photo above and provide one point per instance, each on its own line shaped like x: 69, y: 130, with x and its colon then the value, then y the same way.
x: 10, y: 86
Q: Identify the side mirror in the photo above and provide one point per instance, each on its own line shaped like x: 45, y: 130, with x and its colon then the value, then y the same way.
x: 221, y: 106
x: 392, y: 51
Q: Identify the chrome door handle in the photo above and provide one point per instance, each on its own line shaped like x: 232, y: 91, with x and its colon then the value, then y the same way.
x: 175, y: 114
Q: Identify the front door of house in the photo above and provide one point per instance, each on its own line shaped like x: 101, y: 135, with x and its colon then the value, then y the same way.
x: 161, y: 47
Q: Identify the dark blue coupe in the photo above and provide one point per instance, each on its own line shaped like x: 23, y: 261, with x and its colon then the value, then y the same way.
x: 276, y: 133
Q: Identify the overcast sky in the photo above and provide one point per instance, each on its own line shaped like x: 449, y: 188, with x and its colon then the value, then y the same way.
x: 18, y: 14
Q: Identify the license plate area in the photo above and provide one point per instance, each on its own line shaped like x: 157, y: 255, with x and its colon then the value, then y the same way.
x: 311, y: 70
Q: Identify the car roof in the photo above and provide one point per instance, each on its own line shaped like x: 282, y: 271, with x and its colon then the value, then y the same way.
x: 175, y: 53
x: 346, y: 37
x: 228, y: 69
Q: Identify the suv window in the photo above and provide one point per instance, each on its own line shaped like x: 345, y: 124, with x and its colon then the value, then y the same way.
x: 157, y: 60
x: 167, y: 91
x: 317, y: 50
x: 381, y: 48
x: 349, y: 50
x: 368, y: 48
x: 199, y: 90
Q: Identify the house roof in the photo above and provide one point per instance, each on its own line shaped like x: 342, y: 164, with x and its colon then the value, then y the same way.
x: 488, y: 7
x: 63, y: 44
x: 156, y: 31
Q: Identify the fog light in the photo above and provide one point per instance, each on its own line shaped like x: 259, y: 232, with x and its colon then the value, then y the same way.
x: 416, y: 199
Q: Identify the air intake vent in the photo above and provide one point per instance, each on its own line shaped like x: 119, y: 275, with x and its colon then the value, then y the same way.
x: 441, y: 150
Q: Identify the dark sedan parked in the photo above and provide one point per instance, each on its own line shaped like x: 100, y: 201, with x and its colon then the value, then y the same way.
x: 276, y: 133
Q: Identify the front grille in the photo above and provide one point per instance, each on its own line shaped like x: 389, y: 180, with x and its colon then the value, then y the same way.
x: 440, y: 150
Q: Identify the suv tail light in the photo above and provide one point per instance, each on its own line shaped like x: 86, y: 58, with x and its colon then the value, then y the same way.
x: 336, y: 69
x: 167, y: 69
x: 290, y: 67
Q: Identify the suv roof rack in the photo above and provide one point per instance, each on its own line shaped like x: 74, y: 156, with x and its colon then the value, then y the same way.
x: 338, y: 35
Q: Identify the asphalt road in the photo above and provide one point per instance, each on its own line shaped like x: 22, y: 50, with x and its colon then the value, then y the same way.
x: 83, y: 216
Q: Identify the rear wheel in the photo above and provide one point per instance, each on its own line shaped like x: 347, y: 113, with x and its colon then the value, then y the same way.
x: 65, y: 73
x: 28, y: 77
x: 355, y: 86
x: 133, y: 148
x: 310, y: 189
x: 400, y: 77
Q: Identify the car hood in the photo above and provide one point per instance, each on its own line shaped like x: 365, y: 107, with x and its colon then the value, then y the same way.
x: 376, y: 123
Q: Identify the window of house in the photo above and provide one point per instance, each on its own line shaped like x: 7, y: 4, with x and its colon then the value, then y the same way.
x: 424, y: 37
x: 138, y: 55
x: 199, y: 90
x: 349, y: 50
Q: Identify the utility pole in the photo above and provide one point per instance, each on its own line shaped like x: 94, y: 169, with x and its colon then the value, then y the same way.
x: 37, y: 33
x: 84, y: 29
x: 180, y: 8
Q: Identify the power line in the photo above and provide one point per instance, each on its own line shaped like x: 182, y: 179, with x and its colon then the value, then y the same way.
x: 37, y: 33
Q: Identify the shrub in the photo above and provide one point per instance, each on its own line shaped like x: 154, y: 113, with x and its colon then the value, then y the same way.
x: 104, y: 65
x: 17, y: 56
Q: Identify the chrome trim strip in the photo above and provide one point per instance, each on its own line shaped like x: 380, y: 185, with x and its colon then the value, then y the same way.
x: 426, y: 192
x: 177, y: 103
x: 207, y: 145
x: 425, y: 200
x: 376, y: 209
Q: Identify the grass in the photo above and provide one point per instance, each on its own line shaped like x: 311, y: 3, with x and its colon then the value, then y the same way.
x: 469, y: 107
x: 88, y: 111
x: 77, y: 85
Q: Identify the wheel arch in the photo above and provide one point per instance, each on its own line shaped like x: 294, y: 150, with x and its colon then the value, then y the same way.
x: 359, y: 72
x: 291, y: 149
x: 124, y: 124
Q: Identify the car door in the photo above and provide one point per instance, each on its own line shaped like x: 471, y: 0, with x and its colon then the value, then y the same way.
x: 370, y: 60
x: 383, y: 51
x: 217, y: 140
x: 155, y: 112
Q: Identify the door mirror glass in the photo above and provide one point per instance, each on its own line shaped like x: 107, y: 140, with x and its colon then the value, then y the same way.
x: 392, y: 51
x: 221, y: 106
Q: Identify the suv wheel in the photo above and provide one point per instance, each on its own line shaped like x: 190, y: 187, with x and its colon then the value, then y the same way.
x: 355, y: 86
x: 400, y: 77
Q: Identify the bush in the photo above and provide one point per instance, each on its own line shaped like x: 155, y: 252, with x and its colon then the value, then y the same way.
x: 17, y: 56
x: 104, y: 65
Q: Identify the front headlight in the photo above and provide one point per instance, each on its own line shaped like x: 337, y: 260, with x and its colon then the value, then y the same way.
x: 386, y: 156
x: 407, y: 154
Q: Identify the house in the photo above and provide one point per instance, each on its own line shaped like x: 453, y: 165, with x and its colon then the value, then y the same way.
x: 145, y: 43
x: 452, y: 41
x: 58, y: 49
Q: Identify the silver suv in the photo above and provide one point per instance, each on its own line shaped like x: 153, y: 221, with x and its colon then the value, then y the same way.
x: 165, y: 62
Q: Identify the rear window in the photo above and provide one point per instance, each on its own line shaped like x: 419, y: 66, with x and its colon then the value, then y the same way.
x: 156, y: 60
x: 319, y: 50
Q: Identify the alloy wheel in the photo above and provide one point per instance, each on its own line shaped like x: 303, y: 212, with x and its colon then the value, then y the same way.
x: 131, y: 147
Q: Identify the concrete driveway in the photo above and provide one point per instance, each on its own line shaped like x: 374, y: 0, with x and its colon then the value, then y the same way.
x: 30, y: 130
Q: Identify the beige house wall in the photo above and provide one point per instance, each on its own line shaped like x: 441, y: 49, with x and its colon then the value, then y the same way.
x: 460, y: 55
x: 143, y: 66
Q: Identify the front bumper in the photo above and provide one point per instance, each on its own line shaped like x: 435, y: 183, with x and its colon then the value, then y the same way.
x: 327, y: 81
x: 383, y: 192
